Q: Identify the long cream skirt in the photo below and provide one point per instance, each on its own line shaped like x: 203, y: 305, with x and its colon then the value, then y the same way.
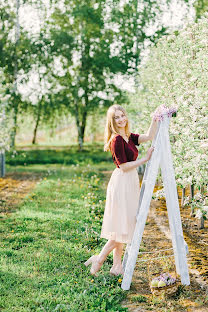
x: 122, y: 200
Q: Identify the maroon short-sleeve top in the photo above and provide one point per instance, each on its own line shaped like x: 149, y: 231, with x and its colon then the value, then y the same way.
x: 122, y: 151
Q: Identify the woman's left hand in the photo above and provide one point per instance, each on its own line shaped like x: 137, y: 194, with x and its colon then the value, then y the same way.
x: 156, y: 112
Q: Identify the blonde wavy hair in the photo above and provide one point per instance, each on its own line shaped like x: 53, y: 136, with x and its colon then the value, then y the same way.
x: 110, y: 128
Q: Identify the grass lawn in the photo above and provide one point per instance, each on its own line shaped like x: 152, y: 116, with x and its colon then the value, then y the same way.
x: 45, y: 242
x: 46, y: 237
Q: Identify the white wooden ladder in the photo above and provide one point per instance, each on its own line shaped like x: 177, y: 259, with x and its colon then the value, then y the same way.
x: 162, y: 158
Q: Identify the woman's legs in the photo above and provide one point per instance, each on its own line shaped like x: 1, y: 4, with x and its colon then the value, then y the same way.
x: 109, y: 246
x: 117, y: 254
x: 117, y: 264
x: 98, y: 260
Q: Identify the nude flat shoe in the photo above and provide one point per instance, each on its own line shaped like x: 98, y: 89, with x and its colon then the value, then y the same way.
x: 96, y: 265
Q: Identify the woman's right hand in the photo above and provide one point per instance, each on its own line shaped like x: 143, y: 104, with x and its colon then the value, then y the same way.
x: 149, y: 153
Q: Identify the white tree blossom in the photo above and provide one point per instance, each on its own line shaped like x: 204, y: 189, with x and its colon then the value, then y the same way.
x: 175, y: 74
x: 5, y: 122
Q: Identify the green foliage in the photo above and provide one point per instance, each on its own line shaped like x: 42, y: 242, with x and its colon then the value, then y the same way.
x: 201, y: 7
x: 90, y: 154
x: 85, y: 80
x: 131, y: 20
x: 70, y: 64
x: 15, y: 60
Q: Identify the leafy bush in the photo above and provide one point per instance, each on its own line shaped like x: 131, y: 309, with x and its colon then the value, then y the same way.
x: 91, y: 154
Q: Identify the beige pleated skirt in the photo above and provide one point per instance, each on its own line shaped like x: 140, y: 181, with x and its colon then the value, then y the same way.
x: 122, y: 200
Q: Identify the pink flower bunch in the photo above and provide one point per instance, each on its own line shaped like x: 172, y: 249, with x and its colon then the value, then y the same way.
x: 166, y: 278
x: 163, y: 110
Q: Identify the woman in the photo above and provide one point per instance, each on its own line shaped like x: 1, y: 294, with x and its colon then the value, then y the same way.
x: 123, y: 188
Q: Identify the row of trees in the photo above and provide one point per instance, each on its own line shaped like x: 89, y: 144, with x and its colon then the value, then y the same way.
x: 69, y: 64
x: 179, y: 79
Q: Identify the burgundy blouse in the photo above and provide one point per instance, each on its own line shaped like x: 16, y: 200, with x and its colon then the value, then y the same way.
x: 122, y: 151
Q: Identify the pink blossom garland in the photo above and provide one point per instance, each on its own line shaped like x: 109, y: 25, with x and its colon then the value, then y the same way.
x: 163, y: 110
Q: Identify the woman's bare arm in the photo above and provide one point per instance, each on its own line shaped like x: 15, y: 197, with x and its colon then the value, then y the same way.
x: 136, y: 163
x: 150, y: 133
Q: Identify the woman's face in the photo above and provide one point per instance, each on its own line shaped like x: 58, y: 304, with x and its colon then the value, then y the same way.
x: 120, y: 119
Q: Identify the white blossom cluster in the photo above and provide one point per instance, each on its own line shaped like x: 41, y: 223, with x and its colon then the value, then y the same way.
x: 176, y: 75
x: 5, y: 123
x: 199, y: 202
x: 160, y: 194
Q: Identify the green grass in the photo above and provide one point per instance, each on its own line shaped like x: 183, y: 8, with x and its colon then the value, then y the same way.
x: 139, y: 298
x: 45, y: 242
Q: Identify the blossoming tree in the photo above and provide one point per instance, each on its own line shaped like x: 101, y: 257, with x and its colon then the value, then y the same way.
x: 5, y: 129
x: 176, y: 75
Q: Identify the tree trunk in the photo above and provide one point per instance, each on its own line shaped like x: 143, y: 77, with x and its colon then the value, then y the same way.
x: 192, y: 191
x: 81, y: 118
x: 192, y: 211
x: 201, y: 223
x: 80, y: 130
x: 35, y: 132
x: 14, y: 129
x: 37, y: 123
x: 2, y: 165
x: 80, y: 139
x: 17, y: 35
x: 183, y: 196
x: 137, y: 45
x: 192, y: 196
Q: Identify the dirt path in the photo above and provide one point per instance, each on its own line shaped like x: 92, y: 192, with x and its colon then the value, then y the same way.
x: 198, y: 250
x: 156, y: 236
x: 14, y: 187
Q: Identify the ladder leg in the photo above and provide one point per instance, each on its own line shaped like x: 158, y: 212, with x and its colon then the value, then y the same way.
x: 168, y: 177
x: 128, y: 246
x: 141, y: 220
